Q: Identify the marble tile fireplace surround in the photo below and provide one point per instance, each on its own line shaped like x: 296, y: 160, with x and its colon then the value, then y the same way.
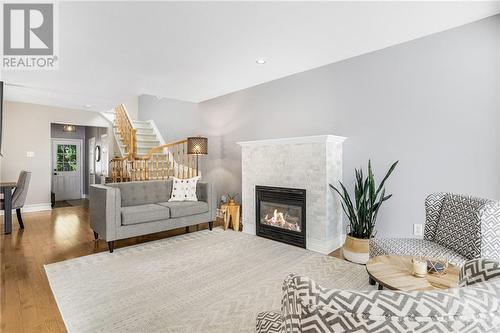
x: 301, y: 165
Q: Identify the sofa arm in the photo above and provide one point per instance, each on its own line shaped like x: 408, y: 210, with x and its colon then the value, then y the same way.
x: 478, y: 270
x: 269, y: 322
x: 105, y: 211
x: 205, y: 192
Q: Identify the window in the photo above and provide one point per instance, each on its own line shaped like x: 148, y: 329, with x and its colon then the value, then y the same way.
x: 66, y: 158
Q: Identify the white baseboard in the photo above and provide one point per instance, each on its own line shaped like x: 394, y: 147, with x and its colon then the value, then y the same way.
x: 32, y: 208
x: 85, y: 196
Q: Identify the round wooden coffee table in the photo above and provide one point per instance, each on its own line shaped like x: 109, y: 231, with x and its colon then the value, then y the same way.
x: 393, y: 272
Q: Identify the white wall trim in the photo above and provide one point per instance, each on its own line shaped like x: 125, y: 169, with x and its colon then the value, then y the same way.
x: 295, y: 140
x: 32, y: 208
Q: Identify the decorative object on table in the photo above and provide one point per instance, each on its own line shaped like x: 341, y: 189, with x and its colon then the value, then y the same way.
x: 231, y: 198
x: 457, y: 228
x: 197, y: 145
x: 437, y: 266
x: 362, y: 213
x: 419, y: 267
x: 184, y: 189
x: 398, y: 273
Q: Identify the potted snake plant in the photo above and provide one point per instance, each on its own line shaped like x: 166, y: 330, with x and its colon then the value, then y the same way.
x: 362, y: 212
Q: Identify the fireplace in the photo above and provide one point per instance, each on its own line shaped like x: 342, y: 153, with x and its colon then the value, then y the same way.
x: 281, y: 214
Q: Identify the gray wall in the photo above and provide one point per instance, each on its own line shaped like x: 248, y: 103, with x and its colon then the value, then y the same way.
x: 432, y: 103
x: 92, y: 132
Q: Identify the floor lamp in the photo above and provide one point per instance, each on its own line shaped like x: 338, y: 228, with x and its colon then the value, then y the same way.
x: 197, y: 145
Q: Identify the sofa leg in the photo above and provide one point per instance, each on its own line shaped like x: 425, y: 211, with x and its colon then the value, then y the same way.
x: 371, y: 281
x: 19, y: 218
x: 187, y: 230
x: 111, y: 246
x: 210, y: 225
x: 96, y: 235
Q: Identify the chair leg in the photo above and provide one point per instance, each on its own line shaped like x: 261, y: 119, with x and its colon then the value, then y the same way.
x: 111, y: 246
x: 210, y: 225
x: 96, y: 235
x: 19, y: 218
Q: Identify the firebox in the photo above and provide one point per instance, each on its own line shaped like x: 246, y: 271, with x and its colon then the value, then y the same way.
x: 281, y: 214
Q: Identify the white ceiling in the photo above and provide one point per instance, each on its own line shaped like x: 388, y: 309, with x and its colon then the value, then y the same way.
x: 195, y: 51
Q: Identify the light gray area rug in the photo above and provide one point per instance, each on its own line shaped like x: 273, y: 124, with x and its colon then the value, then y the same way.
x: 206, y: 281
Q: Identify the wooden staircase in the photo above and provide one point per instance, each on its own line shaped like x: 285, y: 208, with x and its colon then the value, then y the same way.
x: 144, y: 158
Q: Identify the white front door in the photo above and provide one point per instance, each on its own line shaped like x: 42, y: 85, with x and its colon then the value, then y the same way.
x: 67, y: 169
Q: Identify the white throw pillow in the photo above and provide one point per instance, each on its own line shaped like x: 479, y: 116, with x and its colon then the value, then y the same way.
x: 184, y: 189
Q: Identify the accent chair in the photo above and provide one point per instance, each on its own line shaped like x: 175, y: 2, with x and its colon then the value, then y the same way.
x: 19, y: 195
x: 472, y: 307
x: 457, y: 228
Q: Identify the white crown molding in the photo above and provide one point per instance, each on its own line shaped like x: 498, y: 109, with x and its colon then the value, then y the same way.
x: 294, y: 140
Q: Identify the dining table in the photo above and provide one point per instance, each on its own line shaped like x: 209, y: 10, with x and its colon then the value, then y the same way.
x: 6, y: 188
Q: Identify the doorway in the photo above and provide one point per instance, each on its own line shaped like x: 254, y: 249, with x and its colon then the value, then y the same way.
x: 67, y: 181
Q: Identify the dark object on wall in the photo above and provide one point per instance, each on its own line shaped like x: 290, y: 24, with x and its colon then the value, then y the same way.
x: 1, y: 115
x: 69, y: 128
x: 97, y: 153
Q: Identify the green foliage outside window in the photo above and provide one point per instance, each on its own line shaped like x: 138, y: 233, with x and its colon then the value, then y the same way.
x: 66, y: 158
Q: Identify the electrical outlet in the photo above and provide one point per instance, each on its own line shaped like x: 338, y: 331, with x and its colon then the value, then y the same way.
x: 418, y: 230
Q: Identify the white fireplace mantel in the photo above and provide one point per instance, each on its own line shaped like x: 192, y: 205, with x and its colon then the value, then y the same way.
x: 294, y: 140
x: 310, y: 163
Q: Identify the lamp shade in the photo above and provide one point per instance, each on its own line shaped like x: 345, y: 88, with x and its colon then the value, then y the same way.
x: 197, y: 145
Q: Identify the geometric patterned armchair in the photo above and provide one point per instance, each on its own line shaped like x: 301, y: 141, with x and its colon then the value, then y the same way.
x: 308, y: 307
x: 457, y: 227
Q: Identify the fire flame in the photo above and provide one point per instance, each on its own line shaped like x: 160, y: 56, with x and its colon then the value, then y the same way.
x: 278, y: 220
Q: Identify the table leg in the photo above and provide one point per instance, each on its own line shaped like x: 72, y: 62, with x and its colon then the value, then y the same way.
x: 7, y: 196
x: 235, y: 216
x: 371, y: 281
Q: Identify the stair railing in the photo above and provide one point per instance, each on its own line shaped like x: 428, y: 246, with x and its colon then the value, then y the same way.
x: 161, y: 162
x: 126, y: 129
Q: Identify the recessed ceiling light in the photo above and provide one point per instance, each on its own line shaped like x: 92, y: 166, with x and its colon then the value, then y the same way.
x: 88, y: 106
x: 260, y: 61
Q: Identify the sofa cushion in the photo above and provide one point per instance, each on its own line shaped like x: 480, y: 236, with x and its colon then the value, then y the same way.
x: 146, y: 192
x: 144, y: 213
x: 459, y: 226
x: 185, y: 208
x: 413, y: 247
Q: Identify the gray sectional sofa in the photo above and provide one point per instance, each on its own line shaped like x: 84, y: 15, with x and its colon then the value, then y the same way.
x: 123, y: 210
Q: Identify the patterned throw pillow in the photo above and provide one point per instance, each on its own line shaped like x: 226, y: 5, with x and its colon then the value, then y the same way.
x: 459, y: 226
x: 184, y: 189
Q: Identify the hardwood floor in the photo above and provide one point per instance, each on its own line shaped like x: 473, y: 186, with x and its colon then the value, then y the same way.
x: 26, y: 301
